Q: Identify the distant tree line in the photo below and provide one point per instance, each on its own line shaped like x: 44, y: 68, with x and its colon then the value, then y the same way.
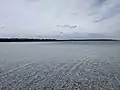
x: 48, y: 40
x: 23, y: 40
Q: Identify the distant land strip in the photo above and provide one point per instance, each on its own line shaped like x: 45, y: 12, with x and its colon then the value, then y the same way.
x: 49, y: 40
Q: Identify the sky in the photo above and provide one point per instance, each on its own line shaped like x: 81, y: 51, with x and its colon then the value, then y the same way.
x: 61, y: 19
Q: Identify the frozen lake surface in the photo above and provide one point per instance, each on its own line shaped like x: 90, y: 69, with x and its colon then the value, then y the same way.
x: 60, y: 66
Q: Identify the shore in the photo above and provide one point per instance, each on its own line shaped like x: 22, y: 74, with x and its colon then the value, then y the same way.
x: 49, y: 40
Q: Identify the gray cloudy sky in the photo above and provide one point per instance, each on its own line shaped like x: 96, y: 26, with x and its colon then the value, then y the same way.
x: 35, y: 18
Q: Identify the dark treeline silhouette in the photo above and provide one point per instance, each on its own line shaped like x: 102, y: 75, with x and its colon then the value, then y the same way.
x: 24, y: 40
x: 48, y: 40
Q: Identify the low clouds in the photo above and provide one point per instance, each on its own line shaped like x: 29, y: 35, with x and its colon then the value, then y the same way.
x: 49, y: 17
x: 106, y: 9
x: 67, y: 26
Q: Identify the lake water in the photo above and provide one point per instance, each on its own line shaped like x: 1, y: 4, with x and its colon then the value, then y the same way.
x: 60, y: 65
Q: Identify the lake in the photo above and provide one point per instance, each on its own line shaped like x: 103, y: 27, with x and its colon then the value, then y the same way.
x: 70, y: 65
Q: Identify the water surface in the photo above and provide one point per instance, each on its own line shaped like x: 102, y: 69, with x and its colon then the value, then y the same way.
x: 83, y: 65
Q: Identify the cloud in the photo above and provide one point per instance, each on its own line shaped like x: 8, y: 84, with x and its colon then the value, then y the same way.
x: 114, y: 11
x: 106, y: 9
x: 46, y: 17
x: 68, y: 26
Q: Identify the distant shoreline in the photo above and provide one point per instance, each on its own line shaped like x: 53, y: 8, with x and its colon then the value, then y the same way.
x: 49, y: 40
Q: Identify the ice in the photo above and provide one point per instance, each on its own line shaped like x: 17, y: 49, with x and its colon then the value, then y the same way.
x: 94, y: 69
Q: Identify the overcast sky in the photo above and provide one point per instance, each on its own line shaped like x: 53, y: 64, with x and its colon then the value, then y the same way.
x: 60, y: 18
